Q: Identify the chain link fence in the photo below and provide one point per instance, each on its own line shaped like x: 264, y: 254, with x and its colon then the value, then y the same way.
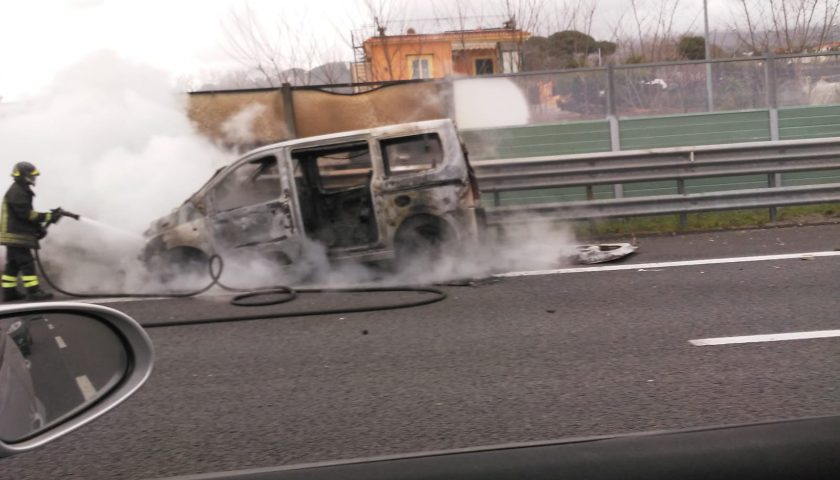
x: 681, y: 87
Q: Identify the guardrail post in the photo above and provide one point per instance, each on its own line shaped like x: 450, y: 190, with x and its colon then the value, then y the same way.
x: 681, y: 191
x: 612, y: 119
x: 772, y: 96
x: 773, y: 181
x: 497, y: 198
x: 590, y: 195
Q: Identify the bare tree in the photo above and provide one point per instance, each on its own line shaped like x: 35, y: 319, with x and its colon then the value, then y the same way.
x: 282, y: 54
x: 525, y: 17
x: 654, y: 34
x: 234, y: 79
x: 789, y: 26
x: 381, y: 14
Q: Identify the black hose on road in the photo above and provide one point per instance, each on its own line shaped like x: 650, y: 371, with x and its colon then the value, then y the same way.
x: 252, y: 298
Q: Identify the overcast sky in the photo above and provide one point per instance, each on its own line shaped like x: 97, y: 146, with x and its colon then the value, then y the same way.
x: 186, y: 38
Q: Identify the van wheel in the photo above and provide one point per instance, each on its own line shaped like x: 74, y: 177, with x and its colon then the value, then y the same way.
x: 181, y: 262
x: 421, y: 242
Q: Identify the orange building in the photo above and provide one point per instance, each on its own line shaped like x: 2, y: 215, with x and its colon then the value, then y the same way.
x: 437, y: 55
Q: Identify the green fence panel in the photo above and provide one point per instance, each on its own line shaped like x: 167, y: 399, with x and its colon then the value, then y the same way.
x: 795, y: 179
x: 694, y: 129
x: 809, y: 122
x: 654, y: 132
x: 644, y: 189
x: 722, y: 184
x: 546, y: 195
x: 538, y: 140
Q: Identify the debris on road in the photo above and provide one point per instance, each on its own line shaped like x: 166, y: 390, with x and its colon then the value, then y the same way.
x: 607, y: 252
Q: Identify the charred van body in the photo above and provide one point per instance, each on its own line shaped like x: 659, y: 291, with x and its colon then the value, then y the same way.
x: 378, y: 194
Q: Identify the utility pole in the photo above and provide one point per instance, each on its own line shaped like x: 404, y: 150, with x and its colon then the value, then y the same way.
x: 709, y: 101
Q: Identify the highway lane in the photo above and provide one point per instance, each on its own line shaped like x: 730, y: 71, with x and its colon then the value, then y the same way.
x: 72, y: 360
x: 53, y: 377
x: 521, y: 359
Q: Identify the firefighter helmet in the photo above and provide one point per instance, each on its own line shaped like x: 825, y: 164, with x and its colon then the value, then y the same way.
x: 25, y: 172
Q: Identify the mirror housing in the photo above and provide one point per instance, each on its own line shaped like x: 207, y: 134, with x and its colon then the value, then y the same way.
x: 138, y: 352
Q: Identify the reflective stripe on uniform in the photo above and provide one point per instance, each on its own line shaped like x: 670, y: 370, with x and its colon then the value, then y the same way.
x: 8, y: 281
x: 29, y: 280
x: 14, y: 237
x: 4, y: 222
x: 33, y: 215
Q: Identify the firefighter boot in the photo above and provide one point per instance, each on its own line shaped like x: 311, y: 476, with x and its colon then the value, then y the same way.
x: 10, y: 294
x: 35, y: 294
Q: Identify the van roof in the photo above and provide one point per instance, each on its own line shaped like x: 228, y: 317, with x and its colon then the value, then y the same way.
x: 383, y: 130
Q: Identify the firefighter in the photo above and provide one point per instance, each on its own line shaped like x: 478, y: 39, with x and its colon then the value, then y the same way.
x: 20, y: 229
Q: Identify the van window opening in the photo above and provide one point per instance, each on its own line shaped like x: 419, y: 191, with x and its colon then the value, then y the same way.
x: 412, y: 154
x: 334, y: 196
x: 252, y: 183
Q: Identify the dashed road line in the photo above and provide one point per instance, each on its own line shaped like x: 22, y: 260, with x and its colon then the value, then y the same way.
x: 772, y: 337
x: 60, y: 342
x: 49, y: 325
x: 87, y: 389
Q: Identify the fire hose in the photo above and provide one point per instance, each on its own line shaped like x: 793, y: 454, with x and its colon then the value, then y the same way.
x: 252, y: 298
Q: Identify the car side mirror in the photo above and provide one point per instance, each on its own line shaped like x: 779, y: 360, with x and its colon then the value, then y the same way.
x: 63, y: 364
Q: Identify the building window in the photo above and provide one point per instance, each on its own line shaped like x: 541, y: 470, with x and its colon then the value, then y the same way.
x: 510, y: 61
x: 419, y: 66
x: 484, y: 66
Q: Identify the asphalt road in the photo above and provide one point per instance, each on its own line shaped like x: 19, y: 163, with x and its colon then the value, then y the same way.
x: 72, y: 360
x: 528, y: 358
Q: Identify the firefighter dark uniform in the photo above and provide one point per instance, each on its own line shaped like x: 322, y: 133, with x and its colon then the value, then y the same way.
x: 20, y: 229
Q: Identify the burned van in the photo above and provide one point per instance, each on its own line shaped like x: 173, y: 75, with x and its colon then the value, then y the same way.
x: 390, y: 192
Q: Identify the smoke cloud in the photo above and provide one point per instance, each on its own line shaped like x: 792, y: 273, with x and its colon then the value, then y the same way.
x: 239, y: 128
x: 489, y: 102
x: 113, y: 143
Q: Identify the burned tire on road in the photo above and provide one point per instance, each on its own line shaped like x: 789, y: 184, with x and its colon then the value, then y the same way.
x: 422, y: 241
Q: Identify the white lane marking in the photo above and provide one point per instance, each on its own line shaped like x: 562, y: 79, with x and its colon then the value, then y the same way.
x: 681, y: 263
x: 60, y: 342
x: 85, y: 387
x: 50, y: 326
x: 772, y: 337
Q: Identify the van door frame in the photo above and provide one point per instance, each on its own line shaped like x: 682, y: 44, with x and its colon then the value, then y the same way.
x: 277, y: 208
x: 374, y: 186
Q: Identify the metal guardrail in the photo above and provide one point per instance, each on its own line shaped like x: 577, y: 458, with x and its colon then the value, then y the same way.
x: 679, y: 164
x: 667, y: 204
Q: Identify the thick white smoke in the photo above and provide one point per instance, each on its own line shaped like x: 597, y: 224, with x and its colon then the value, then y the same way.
x: 489, y: 102
x: 113, y: 143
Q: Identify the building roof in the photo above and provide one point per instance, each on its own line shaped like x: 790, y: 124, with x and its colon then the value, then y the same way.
x: 477, y: 35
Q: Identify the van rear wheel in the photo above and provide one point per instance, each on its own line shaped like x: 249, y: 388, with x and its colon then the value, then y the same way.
x: 421, y: 242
